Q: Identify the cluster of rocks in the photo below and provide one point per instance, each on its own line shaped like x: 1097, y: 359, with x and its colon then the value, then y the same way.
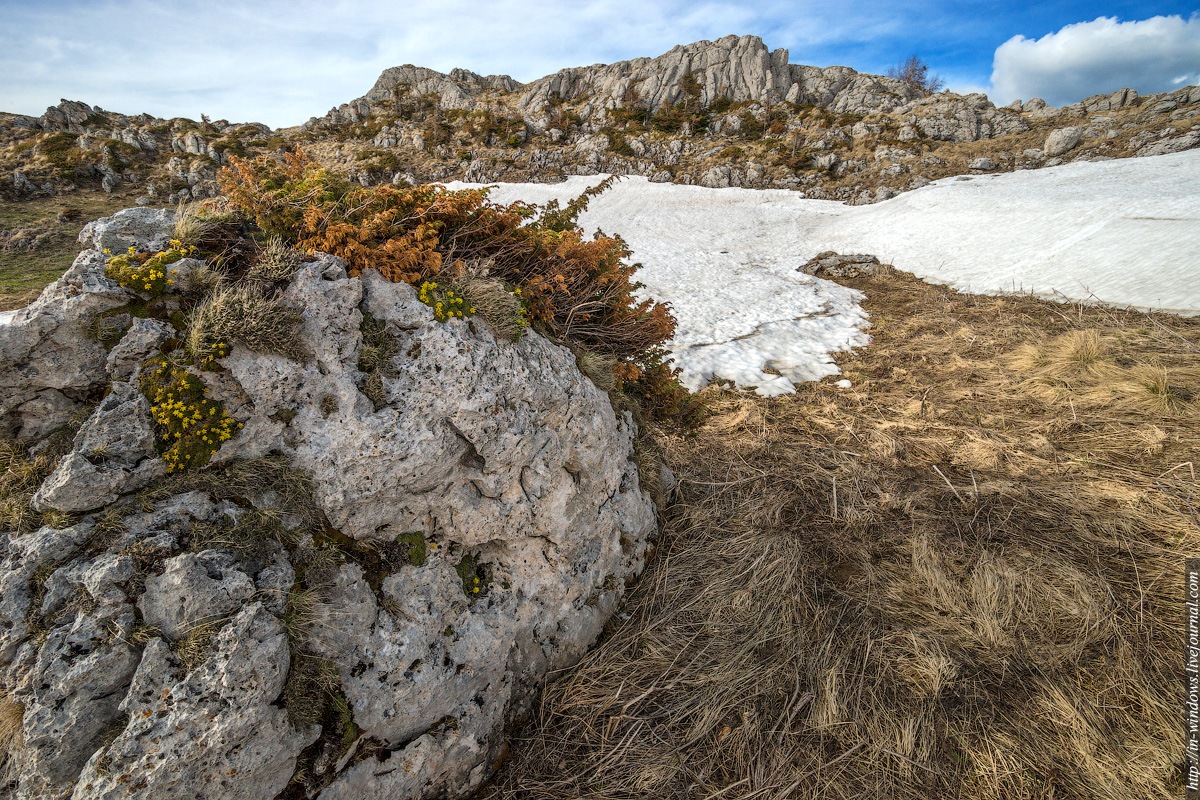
x: 176, y: 160
x: 485, y: 500
x: 831, y: 264
x: 767, y: 123
x: 573, y: 122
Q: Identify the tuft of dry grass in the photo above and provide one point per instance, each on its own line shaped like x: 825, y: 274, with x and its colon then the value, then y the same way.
x: 243, y: 315
x: 275, y: 265
x: 946, y: 582
x: 12, y: 733
x: 496, y: 305
x: 598, y: 367
x: 19, y: 480
x: 194, y: 648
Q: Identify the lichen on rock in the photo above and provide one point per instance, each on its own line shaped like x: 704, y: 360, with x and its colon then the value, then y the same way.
x: 268, y: 621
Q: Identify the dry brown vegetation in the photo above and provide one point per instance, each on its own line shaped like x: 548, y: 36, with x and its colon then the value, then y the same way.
x: 960, y: 578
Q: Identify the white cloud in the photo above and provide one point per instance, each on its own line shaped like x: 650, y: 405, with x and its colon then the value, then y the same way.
x: 1104, y: 55
x: 281, y: 61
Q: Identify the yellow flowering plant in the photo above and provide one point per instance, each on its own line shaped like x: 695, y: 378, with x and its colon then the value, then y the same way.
x: 446, y: 303
x: 190, y: 425
x: 145, y: 272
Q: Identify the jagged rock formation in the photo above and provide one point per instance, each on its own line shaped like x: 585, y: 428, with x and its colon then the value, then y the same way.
x: 729, y: 112
x: 469, y: 524
x: 723, y: 113
x: 734, y: 68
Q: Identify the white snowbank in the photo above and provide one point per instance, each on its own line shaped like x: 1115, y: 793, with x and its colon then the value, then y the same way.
x: 1125, y: 232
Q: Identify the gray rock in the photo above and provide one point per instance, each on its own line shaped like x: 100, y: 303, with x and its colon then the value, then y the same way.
x: 830, y: 264
x: 25, y: 556
x: 22, y: 183
x: 50, y: 344
x: 44, y: 414
x: 717, y: 177
x: 195, y: 589
x: 213, y: 733
x: 826, y: 161
x: 509, y: 464
x: 496, y: 451
x: 273, y: 583
x: 67, y: 115
x: 1062, y: 141
x: 982, y: 164
x: 1111, y: 102
x: 739, y: 68
x: 144, y: 228
x: 47, y: 345
x: 72, y: 695
x: 1171, y: 144
x: 142, y: 340
x: 113, y: 454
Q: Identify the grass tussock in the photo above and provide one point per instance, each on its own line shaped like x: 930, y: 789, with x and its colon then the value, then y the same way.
x: 12, y: 733
x: 194, y: 648
x: 192, y: 224
x: 20, y: 477
x: 496, y: 305
x: 243, y: 315
x: 945, y: 582
x: 275, y: 265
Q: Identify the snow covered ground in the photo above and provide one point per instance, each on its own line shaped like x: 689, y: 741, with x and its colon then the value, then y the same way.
x: 1124, y: 232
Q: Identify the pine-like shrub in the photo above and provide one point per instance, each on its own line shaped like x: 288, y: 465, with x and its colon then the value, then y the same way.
x: 570, y: 287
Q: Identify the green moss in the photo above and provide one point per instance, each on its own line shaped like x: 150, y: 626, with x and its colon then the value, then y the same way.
x: 472, y: 575
x: 345, y: 720
x: 417, y: 549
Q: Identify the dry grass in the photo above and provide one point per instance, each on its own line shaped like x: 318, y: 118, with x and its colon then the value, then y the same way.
x: 598, y: 367
x: 275, y: 265
x: 194, y: 648
x: 244, y: 315
x: 959, y: 579
x: 20, y: 477
x: 494, y: 304
x: 12, y: 734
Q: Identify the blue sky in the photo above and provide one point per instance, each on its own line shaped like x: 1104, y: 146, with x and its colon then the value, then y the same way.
x: 282, y: 62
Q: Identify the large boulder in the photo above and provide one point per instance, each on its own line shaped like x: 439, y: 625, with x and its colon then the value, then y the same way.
x: 1062, y: 141
x: 469, y: 514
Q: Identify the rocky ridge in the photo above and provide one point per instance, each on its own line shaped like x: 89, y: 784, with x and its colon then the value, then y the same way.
x: 728, y: 112
x: 355, y: 599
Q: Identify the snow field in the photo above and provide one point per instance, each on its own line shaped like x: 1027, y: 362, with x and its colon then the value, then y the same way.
x: 1123, y: 232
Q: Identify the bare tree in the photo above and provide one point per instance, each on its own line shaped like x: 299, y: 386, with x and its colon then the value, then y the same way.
x: 915, y: 73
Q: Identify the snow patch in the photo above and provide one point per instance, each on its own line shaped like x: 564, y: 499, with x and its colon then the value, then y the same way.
x: 1124, y: 232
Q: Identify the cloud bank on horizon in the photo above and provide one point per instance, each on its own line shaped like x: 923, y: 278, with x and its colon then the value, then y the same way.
x: 283, y: 61
x: 1153, y: 55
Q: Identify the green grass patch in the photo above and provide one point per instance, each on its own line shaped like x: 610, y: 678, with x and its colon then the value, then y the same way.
x: 24, y: 273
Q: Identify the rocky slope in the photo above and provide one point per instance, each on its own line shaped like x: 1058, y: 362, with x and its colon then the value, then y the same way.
x: 467, y: 519
x: 724, y: 113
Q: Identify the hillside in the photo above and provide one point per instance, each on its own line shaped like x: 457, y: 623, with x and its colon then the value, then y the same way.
x: 723, y: 113
x: 715, y: 114
x: 343, y: 484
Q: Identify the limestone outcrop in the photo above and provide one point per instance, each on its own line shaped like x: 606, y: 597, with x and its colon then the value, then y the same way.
x: 728, y: 112
x: 359, y: 593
